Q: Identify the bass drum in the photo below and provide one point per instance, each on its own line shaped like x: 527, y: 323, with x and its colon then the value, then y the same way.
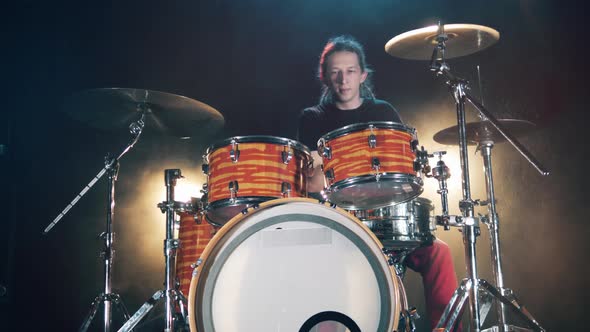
x: 294, y: 264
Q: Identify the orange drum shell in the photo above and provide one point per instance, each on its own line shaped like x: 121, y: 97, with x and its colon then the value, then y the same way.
x: 260, y: 171
x: 352, y: 156
x: 193, y: 237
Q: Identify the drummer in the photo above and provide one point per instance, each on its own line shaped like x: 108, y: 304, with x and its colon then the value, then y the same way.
x: 346, y: 99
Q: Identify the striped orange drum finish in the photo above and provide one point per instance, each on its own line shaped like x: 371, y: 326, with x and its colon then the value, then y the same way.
x: 250, y: 170
x: 370, y: 165
x: 193, y: 237
x: 352, y: 156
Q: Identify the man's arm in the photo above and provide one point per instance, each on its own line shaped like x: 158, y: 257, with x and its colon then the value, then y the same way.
x: 316, y: 182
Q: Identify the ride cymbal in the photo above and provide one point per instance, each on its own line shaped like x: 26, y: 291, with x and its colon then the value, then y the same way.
x: 165, y: 113
x: 484, y: 131
x: 462, y: 39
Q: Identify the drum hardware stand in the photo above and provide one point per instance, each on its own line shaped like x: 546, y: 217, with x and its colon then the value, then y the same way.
x: 396, y: 259
x: 469, y: 287
x: 407, y: 316
x: 111, y: 168
x: 441, y: 173
x: 421, y: 163
x: 171, y: 294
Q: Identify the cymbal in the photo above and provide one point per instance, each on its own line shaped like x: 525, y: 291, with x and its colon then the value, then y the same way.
x: 463, y: 39
x: 165, y: 113
x: 484, y: 131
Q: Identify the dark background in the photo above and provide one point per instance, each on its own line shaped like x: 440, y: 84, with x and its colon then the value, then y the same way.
x: 255, y: 61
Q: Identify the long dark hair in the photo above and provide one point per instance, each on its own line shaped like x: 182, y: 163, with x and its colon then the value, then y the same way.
x: 348, y: 44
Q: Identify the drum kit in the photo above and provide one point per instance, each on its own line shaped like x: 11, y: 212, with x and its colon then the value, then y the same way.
x: 254, y: 245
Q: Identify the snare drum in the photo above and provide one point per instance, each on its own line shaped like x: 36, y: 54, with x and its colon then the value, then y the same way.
x: 292, y: 264
x: 370, y: 165
x: 404, y: 226
x: 248, y: 170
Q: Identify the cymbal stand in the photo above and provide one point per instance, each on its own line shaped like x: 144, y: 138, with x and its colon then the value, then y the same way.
x: 470, y: 287
x: 111, y: 168
x: 171, y: 294
x: 492, y: 221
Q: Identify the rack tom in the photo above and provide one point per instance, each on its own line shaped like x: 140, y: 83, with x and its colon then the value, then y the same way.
x: 247, y: 170
x: 370, y: 165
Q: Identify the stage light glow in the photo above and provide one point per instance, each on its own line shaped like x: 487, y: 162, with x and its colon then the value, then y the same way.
x: 186, y: 189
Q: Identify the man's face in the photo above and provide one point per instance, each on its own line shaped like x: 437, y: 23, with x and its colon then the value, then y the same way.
x: 344, y: 76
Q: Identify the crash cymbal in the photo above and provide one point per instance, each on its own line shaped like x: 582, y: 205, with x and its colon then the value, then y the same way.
x: 484, y: 131
x: 463, y: 39
x: 166, y: 113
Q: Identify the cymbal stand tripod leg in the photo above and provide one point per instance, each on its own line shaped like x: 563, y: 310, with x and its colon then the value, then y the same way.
x: 115, y: 298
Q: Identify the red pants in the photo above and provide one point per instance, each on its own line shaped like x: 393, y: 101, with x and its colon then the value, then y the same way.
x: 435, y: 265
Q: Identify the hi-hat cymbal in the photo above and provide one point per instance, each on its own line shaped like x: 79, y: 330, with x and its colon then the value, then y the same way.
x: 463, y: 39
x: 484, y: 131
x: 165, y: 113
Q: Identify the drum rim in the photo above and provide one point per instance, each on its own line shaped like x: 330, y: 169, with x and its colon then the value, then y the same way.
x: 348, y: 129
x: 363, y: 179
x: 229, y: 202
x: 421, y: 201
x: 258, y: 139
x: 226, y: 202
x: 395, y: 299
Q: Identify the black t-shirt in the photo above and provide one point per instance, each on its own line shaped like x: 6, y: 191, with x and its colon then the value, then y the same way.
x: 316, y: 121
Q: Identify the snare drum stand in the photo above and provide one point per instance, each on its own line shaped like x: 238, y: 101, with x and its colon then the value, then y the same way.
x: 111, y: 168
x: 396, y: 258
x: 470, y: 287
x: 171, y: 294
